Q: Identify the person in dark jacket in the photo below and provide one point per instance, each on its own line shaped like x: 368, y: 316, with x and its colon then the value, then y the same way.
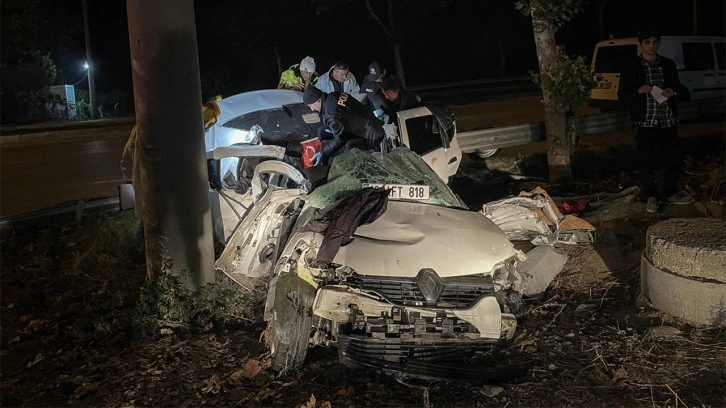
x: 648, y: 86
x: 348, y: 123
x: 372, y: 82
x: 392, y: 98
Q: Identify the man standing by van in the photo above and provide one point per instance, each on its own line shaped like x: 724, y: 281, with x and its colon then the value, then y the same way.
x: 648, y: 86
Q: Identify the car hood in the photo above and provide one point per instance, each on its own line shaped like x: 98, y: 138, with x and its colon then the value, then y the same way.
x: 410, y: 236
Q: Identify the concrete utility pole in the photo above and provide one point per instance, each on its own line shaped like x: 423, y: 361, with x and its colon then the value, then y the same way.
x: 89, y: 61
x: 170, y: 163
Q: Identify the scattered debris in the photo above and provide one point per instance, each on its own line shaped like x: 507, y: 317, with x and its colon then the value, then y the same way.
x: 534, y: 216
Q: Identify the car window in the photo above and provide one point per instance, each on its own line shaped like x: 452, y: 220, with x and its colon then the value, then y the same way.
x: 697, y: 56
x: 423, y: 134
x: 721, y: 55
x: 611, y: 59
x: 276, y: 125
x: 446, y: 121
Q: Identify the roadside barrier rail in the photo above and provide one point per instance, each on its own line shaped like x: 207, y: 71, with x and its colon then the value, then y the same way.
x: 496, y: 138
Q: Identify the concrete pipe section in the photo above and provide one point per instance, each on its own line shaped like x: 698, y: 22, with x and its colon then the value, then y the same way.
x: 683, y: 269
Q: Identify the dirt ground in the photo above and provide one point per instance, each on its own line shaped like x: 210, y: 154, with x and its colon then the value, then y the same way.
x: 70, y: 290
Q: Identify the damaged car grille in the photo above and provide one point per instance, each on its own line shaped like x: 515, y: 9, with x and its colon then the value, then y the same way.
x: 395, y: 350
x: 419, y: 347
x: 453, y: 362
x: 432, y: 291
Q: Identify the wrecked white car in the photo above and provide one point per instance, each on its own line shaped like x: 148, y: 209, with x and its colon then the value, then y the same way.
x: 278, y: 117
x: 384, y: 262
x: 268, y: 126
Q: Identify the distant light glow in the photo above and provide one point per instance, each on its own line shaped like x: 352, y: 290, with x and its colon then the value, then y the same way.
x: 85, y: 65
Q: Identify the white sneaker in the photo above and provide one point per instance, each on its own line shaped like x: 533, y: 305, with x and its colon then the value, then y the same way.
x: 652, y: 206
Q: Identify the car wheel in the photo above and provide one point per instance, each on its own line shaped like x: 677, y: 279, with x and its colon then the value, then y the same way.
x: 485, y: 154
x: 481, y: 155
x: 290, y: 322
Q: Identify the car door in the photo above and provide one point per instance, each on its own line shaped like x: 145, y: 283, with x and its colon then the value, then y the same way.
x: 424, y: 134
x: 699, y: 73
x: 253, y: 248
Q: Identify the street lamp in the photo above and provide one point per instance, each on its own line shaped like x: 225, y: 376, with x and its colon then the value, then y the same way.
x: 91, y: 89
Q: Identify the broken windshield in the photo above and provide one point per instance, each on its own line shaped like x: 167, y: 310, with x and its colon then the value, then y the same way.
x: 353, y: 168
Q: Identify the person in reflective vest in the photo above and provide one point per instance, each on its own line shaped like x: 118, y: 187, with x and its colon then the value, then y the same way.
x: 299, y: 76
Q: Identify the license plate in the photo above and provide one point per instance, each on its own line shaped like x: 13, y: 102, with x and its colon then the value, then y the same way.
x: 405, y: 191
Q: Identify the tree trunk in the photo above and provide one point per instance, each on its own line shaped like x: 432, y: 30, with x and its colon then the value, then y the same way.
x: 278, y: 60
x: 399, y: 63
x: 502, y: 52
x: 558, y: 154
x: 601, y: 18
x: 173, y: 177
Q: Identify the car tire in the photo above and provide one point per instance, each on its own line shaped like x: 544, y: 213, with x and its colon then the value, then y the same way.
x: 480, y: 155
x: 485, y: 154
x: 290, y: 322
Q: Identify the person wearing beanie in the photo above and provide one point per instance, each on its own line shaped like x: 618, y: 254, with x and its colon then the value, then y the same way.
x: 338, y: 78
x: 299, y: 76
x: 649, y: 84
x: 347, y: 124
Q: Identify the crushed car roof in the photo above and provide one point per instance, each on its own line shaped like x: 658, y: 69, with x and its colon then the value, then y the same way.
x: 239, y: 104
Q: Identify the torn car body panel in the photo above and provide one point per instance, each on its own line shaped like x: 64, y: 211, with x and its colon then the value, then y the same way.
x: 534, y: 216
x: 228, y: 207
x: 248, y: 254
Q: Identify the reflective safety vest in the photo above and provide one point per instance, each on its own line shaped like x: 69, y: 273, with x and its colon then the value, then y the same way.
x: 292, y: 77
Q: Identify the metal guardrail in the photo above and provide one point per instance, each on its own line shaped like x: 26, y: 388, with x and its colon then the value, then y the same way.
x: 472, y: 84
x: 51, y: 127
x: 497, y: 138
x: 466, y: 90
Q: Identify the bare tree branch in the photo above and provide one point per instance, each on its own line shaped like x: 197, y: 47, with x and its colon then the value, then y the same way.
x: 378, y: 20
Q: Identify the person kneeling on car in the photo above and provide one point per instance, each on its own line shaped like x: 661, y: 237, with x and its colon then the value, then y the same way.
x: 348, y: 124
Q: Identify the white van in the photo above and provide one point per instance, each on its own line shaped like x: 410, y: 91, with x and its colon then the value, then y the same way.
x: 701, y: 63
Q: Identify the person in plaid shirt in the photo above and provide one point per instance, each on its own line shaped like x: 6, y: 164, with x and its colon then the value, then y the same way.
x: 648, y: 88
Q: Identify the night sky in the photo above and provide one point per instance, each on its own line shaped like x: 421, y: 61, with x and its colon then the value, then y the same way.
x: 459, y: 44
